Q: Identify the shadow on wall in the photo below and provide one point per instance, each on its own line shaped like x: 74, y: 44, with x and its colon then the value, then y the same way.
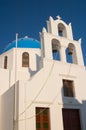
x: 84, y: 102
x: 8, y: 100
x: 39, y: 65
x: 84, y: 114
x: 38, y: 62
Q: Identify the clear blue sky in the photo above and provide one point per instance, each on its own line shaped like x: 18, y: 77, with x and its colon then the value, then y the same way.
x: 27, y: 17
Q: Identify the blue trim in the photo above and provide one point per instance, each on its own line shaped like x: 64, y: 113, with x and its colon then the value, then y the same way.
x: 24, y: 43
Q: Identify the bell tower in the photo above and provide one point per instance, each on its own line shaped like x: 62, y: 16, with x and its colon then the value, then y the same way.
x: 57, y: 42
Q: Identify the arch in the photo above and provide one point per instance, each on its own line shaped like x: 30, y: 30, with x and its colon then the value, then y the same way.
x: 55, y: 49
x: 71, y: 53
x: 62, y: 30
x: 25, y: 59
x: 5, y: 62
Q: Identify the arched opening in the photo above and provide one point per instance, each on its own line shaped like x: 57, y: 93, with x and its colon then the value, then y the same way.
x: 71, y: 54
x: 55, y: 49
x: 62, y: 30
x: 5, y: 62
x: 25, y: 59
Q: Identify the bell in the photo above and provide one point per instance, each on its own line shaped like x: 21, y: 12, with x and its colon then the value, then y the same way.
x: 55, y: 48
x: 70, y: 50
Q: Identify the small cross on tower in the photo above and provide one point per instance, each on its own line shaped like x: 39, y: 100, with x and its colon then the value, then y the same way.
x: 58, y: 17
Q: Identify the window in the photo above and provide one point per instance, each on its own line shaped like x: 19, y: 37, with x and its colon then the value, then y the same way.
x: 5, y: 62
x: 25, y: 59
x: 71, y: 56
x: 62, y: 30
x: 68, y: 88
x: 42, y: 119
x: 55, y: 49
x: 71, y: 119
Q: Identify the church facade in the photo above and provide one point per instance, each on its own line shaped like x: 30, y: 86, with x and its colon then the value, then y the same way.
x: 43, y: 83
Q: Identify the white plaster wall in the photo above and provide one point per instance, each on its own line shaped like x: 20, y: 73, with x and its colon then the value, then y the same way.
x: 7, y: 78
x: 22, y: 105
x: 33, y: 53
x: 0, y: 114
x: 4, y: 80
x: 22, y: 73
x: 7, y: 110
x: 45, y: 90
x: 9, y: 54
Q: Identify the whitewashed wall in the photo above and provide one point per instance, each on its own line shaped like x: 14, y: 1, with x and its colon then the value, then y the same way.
x: 45, y: 90
x: 7, y: 109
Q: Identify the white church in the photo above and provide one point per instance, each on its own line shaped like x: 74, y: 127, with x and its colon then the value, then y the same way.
x: 43, y: 84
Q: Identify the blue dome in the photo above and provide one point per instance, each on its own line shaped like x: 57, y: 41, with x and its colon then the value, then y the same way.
x: 23, y: 43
